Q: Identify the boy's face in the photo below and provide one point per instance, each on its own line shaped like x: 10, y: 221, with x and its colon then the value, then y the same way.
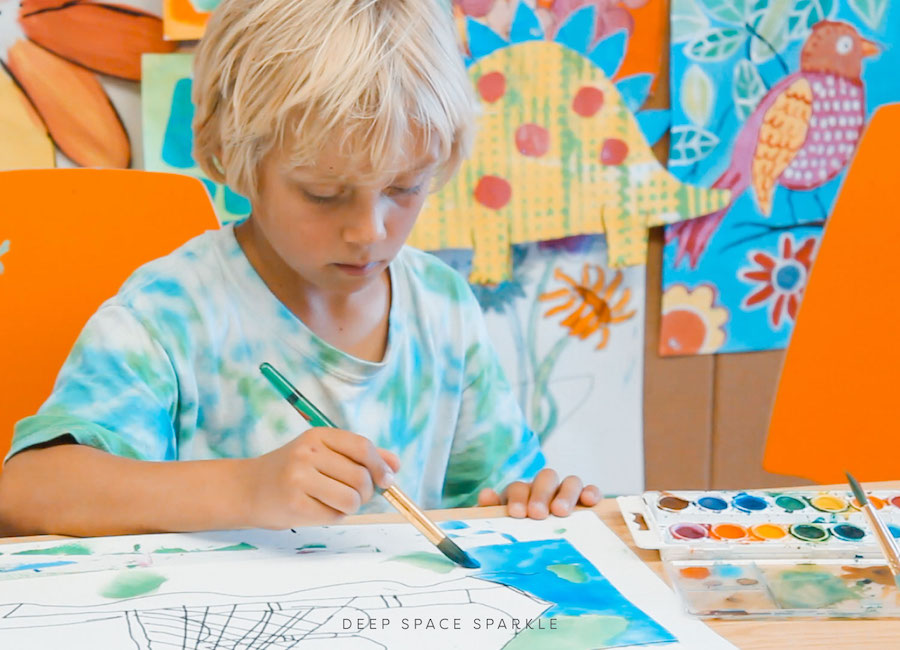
x: 336, y: 232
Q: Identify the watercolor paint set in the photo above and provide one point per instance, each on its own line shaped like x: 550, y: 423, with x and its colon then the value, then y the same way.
x: 758, y: 553
x: 757, y: 522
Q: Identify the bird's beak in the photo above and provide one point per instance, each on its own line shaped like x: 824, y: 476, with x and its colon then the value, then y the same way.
x: 869, y: 48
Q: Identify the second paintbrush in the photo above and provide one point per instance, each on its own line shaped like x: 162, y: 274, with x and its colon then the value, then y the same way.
x: 394, y: 495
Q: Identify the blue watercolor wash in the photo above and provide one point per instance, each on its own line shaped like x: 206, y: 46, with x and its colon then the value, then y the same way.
x: 749, y: 503
x: 178, y: 139
x: 523, y: 565
x: 509, y: 537
x: 895, y: 531
x: 36, y: 566
x: 728, y: 571
x: 454, y: 525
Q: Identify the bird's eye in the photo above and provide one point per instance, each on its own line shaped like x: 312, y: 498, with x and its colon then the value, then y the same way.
x: 844, y: 45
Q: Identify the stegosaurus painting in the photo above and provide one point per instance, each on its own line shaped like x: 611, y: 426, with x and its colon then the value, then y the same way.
x: 559, y: 152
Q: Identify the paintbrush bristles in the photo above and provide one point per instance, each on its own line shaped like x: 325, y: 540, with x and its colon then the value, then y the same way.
x: 858, y: 492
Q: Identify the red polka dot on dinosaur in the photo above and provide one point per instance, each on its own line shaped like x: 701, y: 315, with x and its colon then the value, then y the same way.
x: 532, y: 140
x: 491, y: 86
x: 614, y: 151
x: 493, y: 192
x: 588, y: 100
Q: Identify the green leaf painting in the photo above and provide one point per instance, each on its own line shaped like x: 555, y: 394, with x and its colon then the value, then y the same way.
x: 871, y: 12
x: 690, y: 144
x: 687, y: 20
x: 733, y: 12
x: 770, y: 29
x: 697, y: 95
x: 715, y: 44
x: 807, y: 13
x: 747, y: 90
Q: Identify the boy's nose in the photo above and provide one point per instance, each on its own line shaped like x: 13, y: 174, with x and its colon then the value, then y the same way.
x: 365, y: 223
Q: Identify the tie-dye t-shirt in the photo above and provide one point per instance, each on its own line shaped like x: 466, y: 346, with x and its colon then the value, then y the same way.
x: 168, y: 369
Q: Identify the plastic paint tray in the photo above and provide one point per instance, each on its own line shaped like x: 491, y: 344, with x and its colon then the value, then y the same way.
x: 787, y: 587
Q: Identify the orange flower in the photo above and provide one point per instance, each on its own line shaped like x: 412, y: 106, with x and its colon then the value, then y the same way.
x: 56, y: 94
x: 591, y: 311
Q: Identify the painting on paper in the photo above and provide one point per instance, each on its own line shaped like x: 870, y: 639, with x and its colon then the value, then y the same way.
x: 168, y: 138
x: 770, y: 98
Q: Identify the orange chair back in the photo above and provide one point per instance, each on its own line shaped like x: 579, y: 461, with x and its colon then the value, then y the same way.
x: 74, y: 236
x: 836, y: 405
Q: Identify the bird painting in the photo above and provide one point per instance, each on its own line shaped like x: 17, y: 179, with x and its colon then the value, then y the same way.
x: 801, y: 135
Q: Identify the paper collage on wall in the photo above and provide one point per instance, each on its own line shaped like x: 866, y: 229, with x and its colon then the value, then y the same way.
x: 561, y: 150
x: 769, y: 100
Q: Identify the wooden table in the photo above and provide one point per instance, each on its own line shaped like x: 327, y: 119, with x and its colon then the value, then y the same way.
x: 769, y: 634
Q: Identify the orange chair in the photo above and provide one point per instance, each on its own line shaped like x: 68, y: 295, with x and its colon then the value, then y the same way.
x: 74, y: 236
x: 836, y: 406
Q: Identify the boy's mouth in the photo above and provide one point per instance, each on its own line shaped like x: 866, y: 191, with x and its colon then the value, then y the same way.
x: 358, y: 269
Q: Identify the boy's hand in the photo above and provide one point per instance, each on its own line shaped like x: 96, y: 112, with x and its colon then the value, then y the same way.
x: 317, y: 478
x: 546, y: 495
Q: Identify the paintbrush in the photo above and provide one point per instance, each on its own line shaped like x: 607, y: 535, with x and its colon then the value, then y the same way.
x: 395, y: 496
x: 885, y: 539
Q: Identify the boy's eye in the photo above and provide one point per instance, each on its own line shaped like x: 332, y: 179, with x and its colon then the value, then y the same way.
x: 399, y: 191
x: 317, y: 198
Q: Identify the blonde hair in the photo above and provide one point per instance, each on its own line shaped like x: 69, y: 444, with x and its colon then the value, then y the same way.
x: 362, y: 75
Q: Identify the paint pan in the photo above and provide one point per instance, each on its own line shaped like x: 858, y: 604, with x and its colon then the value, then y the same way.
x: 728, y: 532
x: 848, y: 532
x: 895, y: 531
x: 829, y: 503
x: 749, y: 502
x: 810, y: 532
x: 712, y: 503
x: 768, y: 532
x: 688, y: 531
x: 877, y: 503
x: 671, y: 503
x: 789, y: 503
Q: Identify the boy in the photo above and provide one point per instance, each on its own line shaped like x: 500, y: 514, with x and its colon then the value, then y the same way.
x: 334, y: 117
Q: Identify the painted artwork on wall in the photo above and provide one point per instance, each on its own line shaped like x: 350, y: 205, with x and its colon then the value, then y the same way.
x: 770, y: 99
x: 562, y: 149
x: 185, y: 20
x: 569, y: 332
x: 168, y: 138
x: 67, y: 73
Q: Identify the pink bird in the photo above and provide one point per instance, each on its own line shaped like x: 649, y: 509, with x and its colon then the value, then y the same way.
x: 802, y: 133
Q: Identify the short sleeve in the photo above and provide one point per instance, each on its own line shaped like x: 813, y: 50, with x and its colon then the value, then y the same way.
x: 493, y: 444
x: 117, y: 391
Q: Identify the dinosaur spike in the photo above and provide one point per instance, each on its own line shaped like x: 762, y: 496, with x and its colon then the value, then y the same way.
x: 653, y: 124
x: 578, y: 30
x: 610, y: 52
x: 635, y: 90
x: 482, y: 39
x: 525, y: 25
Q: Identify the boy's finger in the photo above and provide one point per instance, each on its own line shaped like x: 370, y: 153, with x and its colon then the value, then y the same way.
x: 590, y: 496
x: 488, y: 497
x: 392, y: 459
x: 335, y: 495
x: 566, y: 497
x: 362, y: 451
x: 542, y: 490
x: 517, y: 498
x: 353, y: 475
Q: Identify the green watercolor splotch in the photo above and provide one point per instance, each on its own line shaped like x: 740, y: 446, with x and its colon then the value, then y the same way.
x: 425, y: 560
x: 308, y: 546
x: 242, y: 546
x: 559, y: 531
x: 570, y: 633
x: 75, y: 548
x: 809, y: 587
x: 128, y: 584
x: 570, y: 572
